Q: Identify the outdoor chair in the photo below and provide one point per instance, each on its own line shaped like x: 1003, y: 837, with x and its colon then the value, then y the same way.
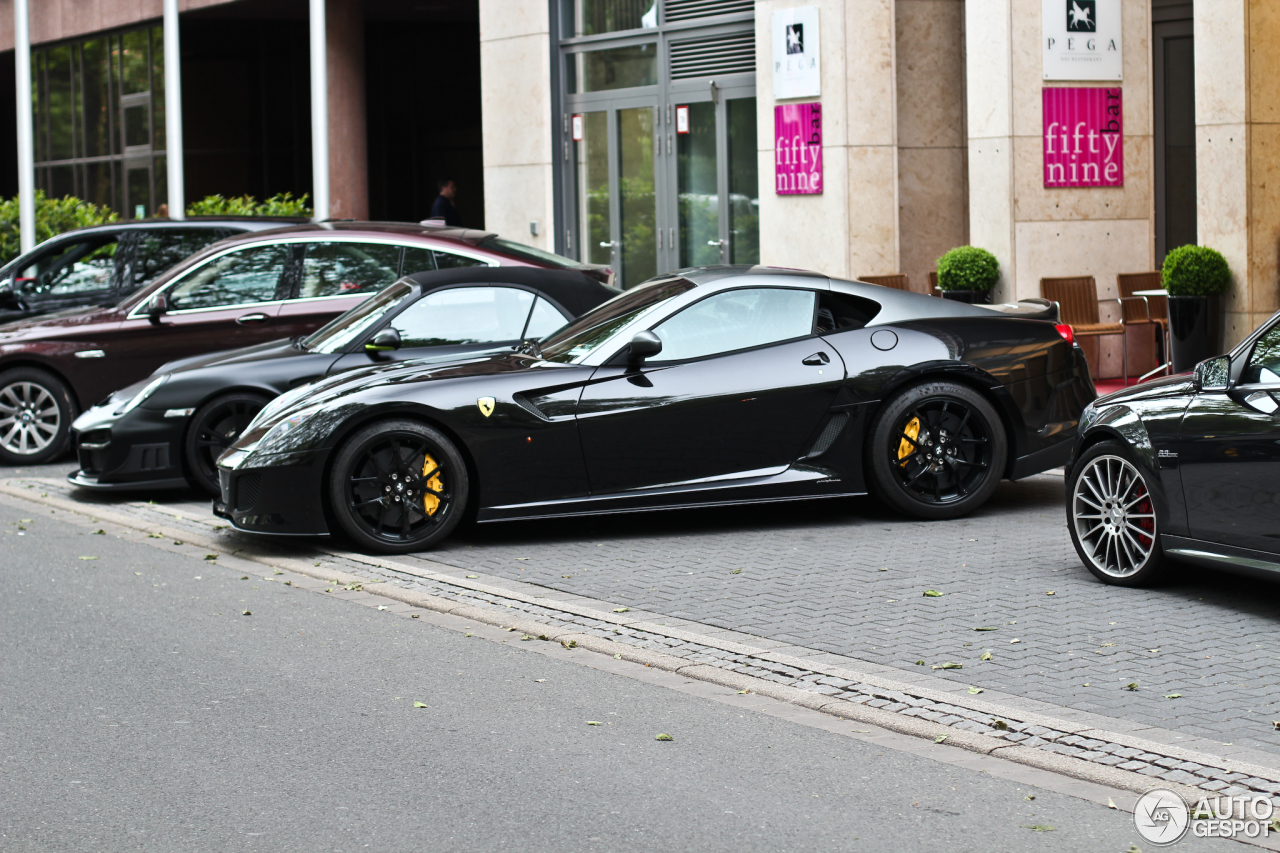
x: 933, y: 284
x: 1144, y: 309
x: 1078, y: 301
x: 897, y: 282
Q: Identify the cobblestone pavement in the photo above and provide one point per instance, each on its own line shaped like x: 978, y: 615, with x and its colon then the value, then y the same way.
x: 848, y: 577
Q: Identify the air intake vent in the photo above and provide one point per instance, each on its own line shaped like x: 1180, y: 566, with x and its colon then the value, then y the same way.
x: 717, y: 55
x: 829, y: 432
x: 247, y: 488
x: 683, y: 10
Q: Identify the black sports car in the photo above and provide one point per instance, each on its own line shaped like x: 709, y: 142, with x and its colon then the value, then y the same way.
x: 704, y: 386
x: 167, y: 430
x: 1186, y: 467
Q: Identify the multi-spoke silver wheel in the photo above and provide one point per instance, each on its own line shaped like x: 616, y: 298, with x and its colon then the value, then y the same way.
x: 1112, y: 517
x: 30, y: 418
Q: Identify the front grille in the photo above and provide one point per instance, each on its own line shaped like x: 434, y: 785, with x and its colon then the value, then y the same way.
x: 829, y: 432
x: 247, y: 488
x: 715, y: 55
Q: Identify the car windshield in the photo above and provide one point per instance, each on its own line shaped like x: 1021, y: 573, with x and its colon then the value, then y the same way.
x: 527, y: 253
x: 341, y: 331
x: 578, y: 339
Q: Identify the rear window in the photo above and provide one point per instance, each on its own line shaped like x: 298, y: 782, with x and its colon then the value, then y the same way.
x: 528, y: 253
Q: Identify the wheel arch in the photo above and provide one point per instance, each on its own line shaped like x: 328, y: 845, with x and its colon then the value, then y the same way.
x: 37, y: 363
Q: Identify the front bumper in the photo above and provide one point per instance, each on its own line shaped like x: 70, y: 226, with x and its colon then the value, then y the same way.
x: 139, y: 449
x: 281, y: 494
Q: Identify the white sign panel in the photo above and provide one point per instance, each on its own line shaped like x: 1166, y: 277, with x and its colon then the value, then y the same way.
x: 796, y: 69
x: 1081, y: 40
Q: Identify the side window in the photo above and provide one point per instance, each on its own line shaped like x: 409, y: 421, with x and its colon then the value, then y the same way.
x: 236, y: 278
x: 71, y: 268
x: 544, y: 320
x: 736, y: 319
x: 341, y: 269
x: 155, y: 252
x: 465, y: 315
x: 417, y: 259
x: 1264, y: 362
x: 449, y: 261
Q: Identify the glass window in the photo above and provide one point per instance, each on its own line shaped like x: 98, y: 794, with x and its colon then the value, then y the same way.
x: 591, y: 165
x: 465, y: 315
x: 71, y: 268
x: 1264, y: 362
x: 578, y: 339
x: 417, y: 260
x: 341, y: 331
x: 735, y: 320
x: 134, y: 62
x: 744, y: 191
x: 592, y: 17
x: 342, y: 269
x: 544, y: 320
x: 236, y: 278
x: 151, y: 253
x: 615, y: 68
x: 449, y: 261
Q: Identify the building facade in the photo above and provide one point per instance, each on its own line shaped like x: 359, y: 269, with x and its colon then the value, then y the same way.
x: 1068, y: 137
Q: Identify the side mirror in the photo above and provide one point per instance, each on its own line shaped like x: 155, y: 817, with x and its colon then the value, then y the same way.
x: 6, y: 288
x: 1212, y: 374
x: 385, y: 341
x: 157, y: 307
x: 644, y: 345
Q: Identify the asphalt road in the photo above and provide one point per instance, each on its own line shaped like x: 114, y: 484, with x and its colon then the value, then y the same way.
x: 141, y: 710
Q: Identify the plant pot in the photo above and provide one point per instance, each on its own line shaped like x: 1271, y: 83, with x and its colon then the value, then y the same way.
x: 973, y: 297
x: 1193, y: 330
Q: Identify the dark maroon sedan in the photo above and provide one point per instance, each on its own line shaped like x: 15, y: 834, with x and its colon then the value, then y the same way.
x: 243, y: 290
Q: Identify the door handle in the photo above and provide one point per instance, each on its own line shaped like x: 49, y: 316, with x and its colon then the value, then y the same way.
x: 608, y: 245
x: 252, y: 319
x: 715, y: 242
x: 818, y: 359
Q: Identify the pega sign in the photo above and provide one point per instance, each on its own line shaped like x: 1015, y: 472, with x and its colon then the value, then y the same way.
x: 797, y: 149
x: 1083, y: 138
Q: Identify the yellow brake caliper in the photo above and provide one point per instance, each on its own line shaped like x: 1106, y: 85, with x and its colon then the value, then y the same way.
x: 906, y: 448
x: 430, y: 502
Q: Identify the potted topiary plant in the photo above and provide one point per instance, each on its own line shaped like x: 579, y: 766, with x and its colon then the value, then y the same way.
x: 1193, y: 277
x: 967, y: 274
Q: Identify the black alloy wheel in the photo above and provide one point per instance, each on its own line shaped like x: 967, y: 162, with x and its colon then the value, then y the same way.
x: 1112, y: 516
x: 398, y: 486
x: 36, y: 411
x: 215, y: 426
x: 936, y: 450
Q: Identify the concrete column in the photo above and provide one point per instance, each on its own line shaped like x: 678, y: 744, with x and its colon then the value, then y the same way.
x: 1238, y: 152
x: 851, y: 229
x: 515, y: 70
x: 319, y: 63
x: 348, y: 137
x: 173, y: 113
x: 26, y: 152
x: 1037, y: 232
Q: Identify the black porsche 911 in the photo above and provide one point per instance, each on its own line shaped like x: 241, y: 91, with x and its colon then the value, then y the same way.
x: 1187, y: 467
x: 705, y: 386
x: 166, y: 431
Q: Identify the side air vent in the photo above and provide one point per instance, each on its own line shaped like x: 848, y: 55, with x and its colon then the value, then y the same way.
x: 247, y: 488
x: 829, y: 433
x: 714, y: 55
x: 683, y: 10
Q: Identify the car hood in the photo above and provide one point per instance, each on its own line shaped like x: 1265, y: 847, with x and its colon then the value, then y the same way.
x: 1169, y: 386
x: 51, y: 325
x: 282, y: 348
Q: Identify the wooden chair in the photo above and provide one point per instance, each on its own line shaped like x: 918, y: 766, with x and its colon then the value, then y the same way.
x: 897, y: 282
x: 1077, y: 299
x: 1144, y: 310
x: 933, y: 284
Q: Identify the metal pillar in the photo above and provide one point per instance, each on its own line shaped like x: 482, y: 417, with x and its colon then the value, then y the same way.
x: 26, y: 154
x: 173, y: 113
x: 319, y: 113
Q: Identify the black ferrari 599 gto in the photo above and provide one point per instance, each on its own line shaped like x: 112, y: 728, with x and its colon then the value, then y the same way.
x: 701, y: 387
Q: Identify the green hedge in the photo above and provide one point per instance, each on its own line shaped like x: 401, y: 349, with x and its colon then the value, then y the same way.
x: 1195, y: 271
x: 968, y: 268
x: 280, y: 204
x: 53, y: 216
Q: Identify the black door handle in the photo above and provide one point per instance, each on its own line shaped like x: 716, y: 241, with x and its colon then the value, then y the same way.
x: 818, y: 359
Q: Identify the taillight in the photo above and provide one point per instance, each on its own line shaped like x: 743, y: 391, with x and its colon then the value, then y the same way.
x: 1068, y: 334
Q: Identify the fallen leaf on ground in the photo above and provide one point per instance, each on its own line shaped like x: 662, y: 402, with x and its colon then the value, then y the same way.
x: 1051, y: 592
x: 1173, y: 695
x: 975, y: 690
x: 419, y: 704
x: 882, y: 570
x: 947, y: 665
x: 1111, y: 804
x: 617, y: 657
x: 1016, y: 640
x: 986, y: 628
x: 919, y: 663
x: 663, y: 736
x: 1040, y: 827
x: 740, y: 692
x: 566, y: 576
x: 569, y: 644
x: 939, y: 738
x: 25, y: 520
x: 88, y: 558
x: 411, y: 615
x: 99, y: 532
x: 469, y: 634
x: 594, y: 723
x: 155, y: 535
x: 525, y: 637
x: 246, y: 577
x: 1132, y: 685
x: 245, y: 613
x: 932, y: 593
x: 1029, y: 797
x: 177, y: 542
x: 382, y: 607
x: 1107, y: 645
x: 215, y: 556
x: 276, y: 572
x: 473, y: 577
x: 621, y: 609
x: 539, y: 680
x: 736, y: 572
x: 1153, y: 651
x: 1000, y: 725
x: 986, y: 655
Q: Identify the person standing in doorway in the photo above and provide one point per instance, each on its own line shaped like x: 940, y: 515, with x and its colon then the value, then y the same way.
x: 442, y: 207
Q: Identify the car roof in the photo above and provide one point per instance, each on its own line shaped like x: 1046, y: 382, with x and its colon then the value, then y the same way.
x: 240, y: 223
x: 472, y: 236
x: 572, y: 290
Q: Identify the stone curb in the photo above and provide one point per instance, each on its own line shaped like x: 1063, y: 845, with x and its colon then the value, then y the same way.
x: 977, y: 742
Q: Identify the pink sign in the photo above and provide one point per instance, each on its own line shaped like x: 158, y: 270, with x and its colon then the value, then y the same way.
x: 1083, y: 138
x: 797, y: 148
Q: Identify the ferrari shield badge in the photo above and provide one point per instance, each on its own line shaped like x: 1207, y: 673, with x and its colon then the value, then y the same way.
x: 486, y: 406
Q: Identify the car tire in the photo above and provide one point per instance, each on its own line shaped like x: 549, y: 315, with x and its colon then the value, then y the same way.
x: 383, y: 472
x: 36, y: 411
x: 1112, y: 518
x: 950, y: 472
x: 214, y: 427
